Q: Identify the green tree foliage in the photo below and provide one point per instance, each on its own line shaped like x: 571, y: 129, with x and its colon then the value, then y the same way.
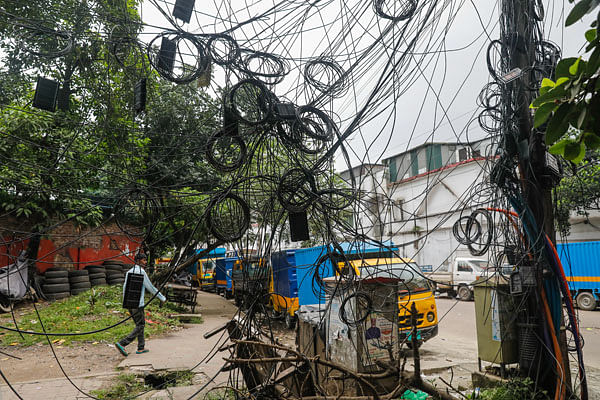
x: 569, y: 108
x: 55, y: 163
x: 569, y: 105
x: 78, y: 161
x: 578, y: 192
x: 178, y: 123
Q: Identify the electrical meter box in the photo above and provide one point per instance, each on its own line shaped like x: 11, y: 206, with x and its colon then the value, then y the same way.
x: 362, y: 324
x: 362, y: 328
x: 496, y: 319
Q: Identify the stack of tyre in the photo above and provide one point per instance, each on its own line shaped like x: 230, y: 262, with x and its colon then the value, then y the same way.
x: 115, y: 272
x: 56, y: 283
x: 97, y: 274
x: 79, y: 281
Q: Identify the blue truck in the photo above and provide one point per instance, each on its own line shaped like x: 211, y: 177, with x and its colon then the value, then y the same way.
x: 296, y: 275
x: 284, y: 285
x: 223, y: 276
x: 581, y: 262
x: 314, y: 264
x: 203, y: 270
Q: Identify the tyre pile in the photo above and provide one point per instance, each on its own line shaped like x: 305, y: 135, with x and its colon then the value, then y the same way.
x: 79, y: 281
x: 59, y: 283
x: 56, y: 284
x: 115, y: 272
x: 97, y: 274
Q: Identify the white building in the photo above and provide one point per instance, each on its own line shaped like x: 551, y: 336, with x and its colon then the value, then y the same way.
x: 414, y: 198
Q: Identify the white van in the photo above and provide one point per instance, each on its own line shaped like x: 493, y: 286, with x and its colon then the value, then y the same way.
x: 459, y: 277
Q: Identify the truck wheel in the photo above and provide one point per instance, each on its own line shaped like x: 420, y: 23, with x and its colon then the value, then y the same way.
x: 410, y: 345
x: 290, y: 321
x: 273, y: 313
x: 464, y: 293
x: 586, y: 301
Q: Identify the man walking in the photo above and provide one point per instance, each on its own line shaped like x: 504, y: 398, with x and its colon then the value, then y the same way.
x: 137, y: 314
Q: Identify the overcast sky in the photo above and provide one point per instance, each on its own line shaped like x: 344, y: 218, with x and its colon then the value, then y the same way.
x: 436, y: 92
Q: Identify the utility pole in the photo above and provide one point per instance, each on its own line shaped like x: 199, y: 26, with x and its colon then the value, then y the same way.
x: 518, y: 38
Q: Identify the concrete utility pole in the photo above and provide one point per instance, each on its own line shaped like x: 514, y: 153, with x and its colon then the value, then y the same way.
x: 518, y: 35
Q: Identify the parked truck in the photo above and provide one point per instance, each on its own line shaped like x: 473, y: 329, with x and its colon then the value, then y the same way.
x: 413, y: 289
x: 581, y: 263
x: 250, y: 276
x: 458, y: 278
x: 223, y: 276
x: 312, y: 265
x: 284, y: 286
x: 203, y: 270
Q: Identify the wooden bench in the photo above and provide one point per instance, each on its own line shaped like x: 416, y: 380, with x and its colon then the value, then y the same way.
x: 182, y: 295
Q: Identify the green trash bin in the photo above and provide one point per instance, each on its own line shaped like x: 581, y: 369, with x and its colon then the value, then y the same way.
x: 495, y: 316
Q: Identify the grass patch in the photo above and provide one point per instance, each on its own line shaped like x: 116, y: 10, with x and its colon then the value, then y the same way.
x: 191, y: 320
x: 169, y: 379
x: 127, y: 386
x: 92, y: 310
x: 220, y: 393
x: 513, y: 389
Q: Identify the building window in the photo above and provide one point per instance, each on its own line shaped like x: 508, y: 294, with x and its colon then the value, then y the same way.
x: 434, y: 157
x: 350, y: 219
x: 393, y: 170
x: 467, y: 153
x: 397, y: 210
x: 414, y: 163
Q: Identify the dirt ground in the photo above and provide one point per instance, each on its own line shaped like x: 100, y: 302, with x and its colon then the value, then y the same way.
x: 37, y: 362
x: 454, y: 350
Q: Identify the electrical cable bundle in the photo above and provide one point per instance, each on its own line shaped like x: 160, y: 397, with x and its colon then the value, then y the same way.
x: 244, y: 119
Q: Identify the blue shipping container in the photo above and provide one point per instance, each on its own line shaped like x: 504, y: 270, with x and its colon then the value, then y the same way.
x: 581, y: 262
x: 309, y: 292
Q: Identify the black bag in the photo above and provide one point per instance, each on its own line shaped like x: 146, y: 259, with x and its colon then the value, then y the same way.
x: 133, y: 290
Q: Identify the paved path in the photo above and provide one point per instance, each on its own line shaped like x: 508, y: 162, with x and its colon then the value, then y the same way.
x: 184, y: 349
x: 455, y: 347
x: 55, y: 389
x: 187, y: 348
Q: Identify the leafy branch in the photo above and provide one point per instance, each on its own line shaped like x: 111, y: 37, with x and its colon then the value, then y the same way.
x: 569, y: 105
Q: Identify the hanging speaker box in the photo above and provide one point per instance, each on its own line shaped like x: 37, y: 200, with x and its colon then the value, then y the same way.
x: 299, y: 226
x: 139, y: 96
x: 285, y: 110
x: 46, y: 92
x: 230, y: 122
x: 183, y: 10
x: 166, y: 55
